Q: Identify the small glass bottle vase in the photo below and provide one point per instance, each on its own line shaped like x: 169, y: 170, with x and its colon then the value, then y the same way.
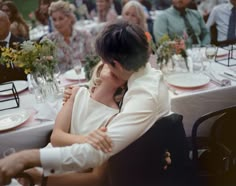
x: 46, y: 86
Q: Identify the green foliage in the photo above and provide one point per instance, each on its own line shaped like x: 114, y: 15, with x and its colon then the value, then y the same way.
x: 32, y: 57
x: 167, y: 48
x: 90, y: 62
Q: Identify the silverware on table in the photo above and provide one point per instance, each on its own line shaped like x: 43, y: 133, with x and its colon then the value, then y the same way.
x: 216, y: 81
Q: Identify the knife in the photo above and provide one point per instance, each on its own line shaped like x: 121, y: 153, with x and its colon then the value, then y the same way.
x: 233, y: 78
x: 229, y: 74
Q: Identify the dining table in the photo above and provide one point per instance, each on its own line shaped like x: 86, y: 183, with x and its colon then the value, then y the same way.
x: 191, y: 101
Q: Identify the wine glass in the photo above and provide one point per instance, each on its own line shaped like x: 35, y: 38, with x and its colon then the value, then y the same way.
x: 210, y: 53
x: 78, y: 69
x: 57, y: 73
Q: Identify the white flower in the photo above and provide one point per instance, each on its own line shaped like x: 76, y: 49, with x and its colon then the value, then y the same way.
x: 28, y: 46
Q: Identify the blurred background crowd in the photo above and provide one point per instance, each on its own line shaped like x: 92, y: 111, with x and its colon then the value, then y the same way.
x: 73, y: 24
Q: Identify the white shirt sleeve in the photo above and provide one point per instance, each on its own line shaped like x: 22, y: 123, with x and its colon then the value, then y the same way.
x: 142, y: 108
x: 211, y: 19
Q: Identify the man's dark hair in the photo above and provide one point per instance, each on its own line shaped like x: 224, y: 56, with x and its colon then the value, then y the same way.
x: 124, y: 42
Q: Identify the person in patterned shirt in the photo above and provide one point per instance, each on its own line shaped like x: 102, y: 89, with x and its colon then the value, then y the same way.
x: 72, y: 45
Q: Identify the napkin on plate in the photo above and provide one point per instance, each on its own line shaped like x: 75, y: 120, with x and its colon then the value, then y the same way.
x: 48, y: 110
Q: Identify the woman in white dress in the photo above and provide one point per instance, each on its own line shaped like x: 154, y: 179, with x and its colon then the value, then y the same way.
x: 82, y: 119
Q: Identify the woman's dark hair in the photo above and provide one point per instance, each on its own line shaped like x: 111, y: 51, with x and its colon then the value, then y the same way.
x: 124, y: 42
x: 15, y: 14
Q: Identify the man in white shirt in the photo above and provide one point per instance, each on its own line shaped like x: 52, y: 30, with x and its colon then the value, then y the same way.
x: 205, y: 6
x: 124, y: 48
x: 220, y: 15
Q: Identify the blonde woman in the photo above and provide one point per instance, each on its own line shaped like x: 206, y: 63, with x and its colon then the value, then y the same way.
x: 133, y: 11
x: 82, y: 120
x: 73, y: 45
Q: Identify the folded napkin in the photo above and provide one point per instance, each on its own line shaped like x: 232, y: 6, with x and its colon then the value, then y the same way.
x: 218, y: 79
x: 48, y: 110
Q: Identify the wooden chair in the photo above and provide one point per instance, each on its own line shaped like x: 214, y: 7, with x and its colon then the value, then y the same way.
x: 217, y: 164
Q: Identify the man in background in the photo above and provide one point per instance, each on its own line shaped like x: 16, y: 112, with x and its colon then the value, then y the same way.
x: 223, y: 16
x: 7, y: 39
x: 179, y: 21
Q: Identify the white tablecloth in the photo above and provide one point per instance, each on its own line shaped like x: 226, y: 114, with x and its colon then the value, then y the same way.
x: 190, y: 103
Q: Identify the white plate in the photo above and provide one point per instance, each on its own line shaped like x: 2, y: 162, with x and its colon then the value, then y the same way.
x: 71, y: 75
x: 19, y: 84
x: 187, y: 80
x: 9, y: 121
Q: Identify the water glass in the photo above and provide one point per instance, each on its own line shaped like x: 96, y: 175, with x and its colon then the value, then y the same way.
x: 210, y: 53
x: 78, y: 68
x: 197, y: 58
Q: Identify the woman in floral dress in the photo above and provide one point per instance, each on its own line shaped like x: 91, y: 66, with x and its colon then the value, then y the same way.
x: 72, y: 45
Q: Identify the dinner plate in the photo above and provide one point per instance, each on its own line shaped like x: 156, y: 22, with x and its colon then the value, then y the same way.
x: 19, y: 84
x: 187, y: 80
x: 9, y: 121
x: 71, y: 75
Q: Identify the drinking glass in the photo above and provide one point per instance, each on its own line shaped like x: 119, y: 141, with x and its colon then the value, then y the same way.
x: 57, y: 73
x: 210, y: 53
x: 196, y: 56
x: 78, y: 69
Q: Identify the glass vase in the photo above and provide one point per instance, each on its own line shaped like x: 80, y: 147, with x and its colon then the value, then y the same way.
x: 45, y: 87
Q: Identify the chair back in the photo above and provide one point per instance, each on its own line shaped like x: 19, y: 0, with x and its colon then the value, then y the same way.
x: 141, y: 163
x: 217, y: 163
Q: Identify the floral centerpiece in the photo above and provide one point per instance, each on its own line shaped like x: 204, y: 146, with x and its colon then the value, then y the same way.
x: 38, y: 60
x: 32, y: 57
x: 168, y: 48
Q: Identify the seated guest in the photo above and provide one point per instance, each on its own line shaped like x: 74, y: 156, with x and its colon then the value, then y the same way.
x: 75, y: 124
x: 18, y: 25
x: 134, y: 13
x: 224, y: 17
x: 106, y: 11
x: 41, y: 14
x: 123, y: 47
x: 205, y: 6
x: 7, y: 39
x: 178, y: 21
x: 81, y: 10
x: 72, y: 45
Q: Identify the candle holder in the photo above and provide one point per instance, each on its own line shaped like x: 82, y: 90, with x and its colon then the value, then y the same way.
x: 9, y: 97
x: 227, y: 59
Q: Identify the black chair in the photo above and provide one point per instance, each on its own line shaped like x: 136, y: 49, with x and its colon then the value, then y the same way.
x: 216, y: 164
x: 141, y: 163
